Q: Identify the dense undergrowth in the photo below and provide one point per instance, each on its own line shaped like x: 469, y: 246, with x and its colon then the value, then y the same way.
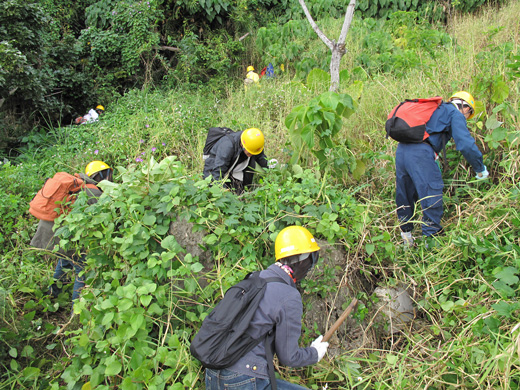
x: 147, y: 295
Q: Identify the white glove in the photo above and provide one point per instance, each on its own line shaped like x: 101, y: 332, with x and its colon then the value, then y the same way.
x: 272, y: 163
x: 482, y: 175
x: 320, y: 347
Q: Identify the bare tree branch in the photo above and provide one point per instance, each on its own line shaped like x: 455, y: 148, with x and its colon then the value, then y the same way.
x: 337, y: 48
x: 348, y: 20
x: 169, y: 48
x: 314, y: 26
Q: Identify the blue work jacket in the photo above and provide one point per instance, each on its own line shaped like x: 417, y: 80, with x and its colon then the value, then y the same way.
x: 447, y: 119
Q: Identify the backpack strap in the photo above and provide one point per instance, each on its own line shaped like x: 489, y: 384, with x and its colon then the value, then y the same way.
x: 275, y: 279
x: 269, y: 338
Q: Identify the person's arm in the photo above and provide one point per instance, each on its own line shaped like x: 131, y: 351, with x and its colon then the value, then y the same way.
x: 464, y: 142
x: 93, y: 194
x: 261, y: 160
x: 287, y: 334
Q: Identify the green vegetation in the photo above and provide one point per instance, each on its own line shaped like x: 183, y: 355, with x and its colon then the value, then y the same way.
x: 147, y: 293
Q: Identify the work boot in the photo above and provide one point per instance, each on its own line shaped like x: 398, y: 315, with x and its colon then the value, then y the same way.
x: 408, y: 240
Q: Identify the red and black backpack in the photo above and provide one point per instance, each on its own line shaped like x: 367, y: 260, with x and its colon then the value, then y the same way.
x: 406, y: 122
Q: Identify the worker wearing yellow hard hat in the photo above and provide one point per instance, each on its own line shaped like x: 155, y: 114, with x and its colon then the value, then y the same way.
x: 43, y: 206
x: 92, y: 115
x: 233, y: 156
x: 418, y: 177
x: 252, y: 77
x: 279, y: 314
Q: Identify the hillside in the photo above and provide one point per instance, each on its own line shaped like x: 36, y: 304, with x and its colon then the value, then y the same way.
x: 164, y: 244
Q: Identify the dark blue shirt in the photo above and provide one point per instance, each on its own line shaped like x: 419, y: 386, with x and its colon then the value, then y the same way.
x: 449, y: 120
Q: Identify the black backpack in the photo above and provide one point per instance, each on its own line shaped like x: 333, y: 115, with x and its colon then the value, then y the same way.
x: 214, y: 134
x: 223, y: 339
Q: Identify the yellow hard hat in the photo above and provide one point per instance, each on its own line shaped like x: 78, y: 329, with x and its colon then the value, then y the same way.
x: 95, y: 167
x: 294, y: 240
x: 100, y: 107
x: 253, y: 140
x: 466, y: 96
x: 250, y: 68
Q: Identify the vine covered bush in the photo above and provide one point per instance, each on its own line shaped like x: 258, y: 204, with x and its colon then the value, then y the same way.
x: 146, y: 295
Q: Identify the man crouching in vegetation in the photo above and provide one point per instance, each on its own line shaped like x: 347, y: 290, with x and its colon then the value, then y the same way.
x: 233, y: 158
x: 418, y: 176
x: 279, y: 311
x: 43, y: 206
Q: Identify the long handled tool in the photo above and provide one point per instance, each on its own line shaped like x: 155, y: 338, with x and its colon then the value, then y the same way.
x: 340, y: 320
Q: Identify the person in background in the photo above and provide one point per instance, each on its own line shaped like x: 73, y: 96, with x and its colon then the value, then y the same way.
x: 92, y: 116
x: 44, y: 238
x: 418, y: 177
x: 280, y: 310
x: 252, y: 77
x: 234, y: 157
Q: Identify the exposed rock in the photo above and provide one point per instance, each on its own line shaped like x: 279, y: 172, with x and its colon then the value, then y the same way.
x: 191, y: 241
x: 395, y: 308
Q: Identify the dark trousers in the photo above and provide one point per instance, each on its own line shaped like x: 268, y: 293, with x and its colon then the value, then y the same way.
x: 76, y: 263
x: 230, y: 380
x: 418, y: 178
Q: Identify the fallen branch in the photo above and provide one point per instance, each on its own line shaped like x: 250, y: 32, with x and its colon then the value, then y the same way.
x: 169, y: 48
x: 243, y: 36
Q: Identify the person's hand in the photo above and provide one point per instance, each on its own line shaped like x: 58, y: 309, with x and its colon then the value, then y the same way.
x: 482, y: 175
x: 272, y: 163
x: 320, y: 347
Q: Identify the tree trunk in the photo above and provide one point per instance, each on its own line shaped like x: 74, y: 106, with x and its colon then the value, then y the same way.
x: 338, y: 49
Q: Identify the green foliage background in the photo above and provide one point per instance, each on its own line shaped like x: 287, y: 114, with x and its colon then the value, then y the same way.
x: 147, y: 295
x: 60, y: 58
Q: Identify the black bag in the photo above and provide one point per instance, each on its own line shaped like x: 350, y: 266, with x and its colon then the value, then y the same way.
x: 214, y: 134
x: 223, y: 339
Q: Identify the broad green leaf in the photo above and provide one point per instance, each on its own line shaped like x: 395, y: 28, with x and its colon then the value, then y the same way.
x: 508, y: 275
x: 447, y: 306
x: 113, y: 368
x: 170, y: 243
x: 107, y: 319
x: 136, y: 321
x: 27, y: 352
x: 125, y: 304
x: 503, y: 288
x: 308, y: 136
x: 210, y: 239
x: 505, y: 309
x: 145, y: 300
x: 106, y: 304
x: 500, y: 92
x: 197, y: 267
x: 318, y: 79
x: 83, y: 340
x: 492, y: 123
x: 149, y: 219
x: 359, y: 170
x: 30, y: 373
x: 392, y: 359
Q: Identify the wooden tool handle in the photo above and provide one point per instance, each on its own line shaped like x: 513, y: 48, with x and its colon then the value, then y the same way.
x: 340, y: 320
